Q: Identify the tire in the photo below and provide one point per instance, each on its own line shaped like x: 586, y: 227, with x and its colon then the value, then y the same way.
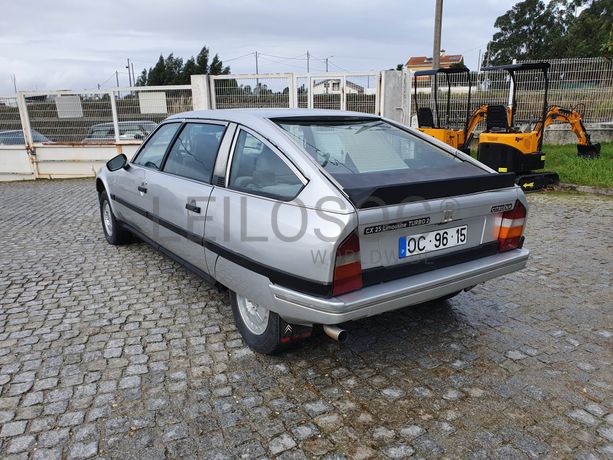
x: 114, y: 233
x: 263, y: 330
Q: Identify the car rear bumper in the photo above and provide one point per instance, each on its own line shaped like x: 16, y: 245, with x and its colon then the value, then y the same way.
x: 373, y: 300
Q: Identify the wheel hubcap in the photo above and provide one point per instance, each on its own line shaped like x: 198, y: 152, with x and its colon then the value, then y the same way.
x: 254, y: 316
x: 107, y: 218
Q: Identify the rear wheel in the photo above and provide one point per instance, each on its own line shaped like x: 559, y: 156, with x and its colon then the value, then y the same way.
x: 263, y: 330
x: 114, y: 233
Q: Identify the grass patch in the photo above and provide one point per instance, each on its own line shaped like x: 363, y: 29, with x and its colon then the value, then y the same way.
x: 563, y: 159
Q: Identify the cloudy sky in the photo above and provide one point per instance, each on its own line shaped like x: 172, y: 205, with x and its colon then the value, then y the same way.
x: 72, y: 44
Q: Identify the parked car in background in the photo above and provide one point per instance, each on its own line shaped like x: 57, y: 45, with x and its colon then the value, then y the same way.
x: 15, y: 137
x: 128, y: 131
x: 312, y: 216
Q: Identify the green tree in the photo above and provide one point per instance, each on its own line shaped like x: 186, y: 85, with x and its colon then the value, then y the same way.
x: 217, y: 67
x: 202, y: 61
x: 174, y: 71
x: 535, y: 29
x: 591, y: 33
x: 530, y: 30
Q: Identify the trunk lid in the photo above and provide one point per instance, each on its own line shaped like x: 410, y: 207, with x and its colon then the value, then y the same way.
x: 467, y: 224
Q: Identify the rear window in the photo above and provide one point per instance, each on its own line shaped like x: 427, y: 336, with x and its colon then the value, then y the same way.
x: 365, y: 146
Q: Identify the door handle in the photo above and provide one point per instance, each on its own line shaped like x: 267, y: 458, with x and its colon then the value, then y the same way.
x: 142, y: 189
x: 193, y: 208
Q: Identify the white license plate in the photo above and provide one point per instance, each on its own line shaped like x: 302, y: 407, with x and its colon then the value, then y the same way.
x: 434, y: 241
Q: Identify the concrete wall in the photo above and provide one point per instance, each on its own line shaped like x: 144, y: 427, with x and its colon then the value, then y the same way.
x: 57, y: 161
x: 562, y: 134
x: 15, y: 164
x: 396, y: 96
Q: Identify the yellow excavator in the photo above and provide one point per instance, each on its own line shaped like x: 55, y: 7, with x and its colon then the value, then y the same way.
x: 425, y: 117
x: 505, y: 148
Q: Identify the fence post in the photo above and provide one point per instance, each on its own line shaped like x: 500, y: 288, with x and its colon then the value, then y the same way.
x: 293, y: 91
x: 511, y: 86
x: 409, y: 94
x: 25, y: 119
x: 27, y: 132
x: 200, y: 92
x: 115, y: 116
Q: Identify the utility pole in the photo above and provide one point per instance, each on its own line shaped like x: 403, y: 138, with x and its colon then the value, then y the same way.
x: 14, y: 78
x: 133, y: 77
x: 117, y: 78
x: 479, y: 61
x: 257, y: 71
x: 129, y: 74
x: 308, y: 61
x: 436, y: 49
x: 327, y: 65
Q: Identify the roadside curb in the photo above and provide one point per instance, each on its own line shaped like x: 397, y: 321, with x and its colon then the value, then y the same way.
x: 585, y: 189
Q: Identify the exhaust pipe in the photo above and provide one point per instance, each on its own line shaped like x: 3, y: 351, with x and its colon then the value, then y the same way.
x: 336, y: 333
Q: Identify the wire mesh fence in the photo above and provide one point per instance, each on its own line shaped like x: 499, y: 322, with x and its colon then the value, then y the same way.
x: 11, y: 132
x: 585, y: 85
x: 458, y: 95
x: 582, y: 84
x: 362, y: 92
x: 252, y: 91
x: 68, y: 117
x: 140, y: 110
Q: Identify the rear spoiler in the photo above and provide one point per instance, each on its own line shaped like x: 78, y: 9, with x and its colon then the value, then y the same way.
x: 370, y: 197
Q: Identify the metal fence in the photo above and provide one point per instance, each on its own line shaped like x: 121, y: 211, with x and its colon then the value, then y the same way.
x: 127, y: 115
x: 253, y: 91
x: 585, y: 85
x: 91, y: 116
x: 11, y: 131
x: 348, y: 91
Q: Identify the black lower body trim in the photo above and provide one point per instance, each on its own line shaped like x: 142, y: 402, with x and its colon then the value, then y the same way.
x: 279, y: 277
x: 382, y: 274
x: 158, y: 220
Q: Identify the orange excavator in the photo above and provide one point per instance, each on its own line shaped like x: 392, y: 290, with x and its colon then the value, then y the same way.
x: 506, y: 148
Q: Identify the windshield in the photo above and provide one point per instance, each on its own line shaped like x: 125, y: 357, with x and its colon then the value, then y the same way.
x: 365, y: 146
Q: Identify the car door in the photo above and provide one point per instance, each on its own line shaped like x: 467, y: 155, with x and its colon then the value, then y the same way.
x: 130, y: 192
x: 261, y: 183
x: 181, y: 191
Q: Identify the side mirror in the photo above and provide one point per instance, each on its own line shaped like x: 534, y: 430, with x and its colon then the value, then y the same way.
x: 116, y: 163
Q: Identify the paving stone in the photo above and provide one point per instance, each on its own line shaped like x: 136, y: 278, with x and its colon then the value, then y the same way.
x: 20, y: 444
x: 13, y: 429
x: 281, y: 443
x: 83, y: 450
x: 138, y: 358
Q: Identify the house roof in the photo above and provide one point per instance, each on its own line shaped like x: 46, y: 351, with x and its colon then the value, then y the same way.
x: 350, y: 84
x: 425, y: 60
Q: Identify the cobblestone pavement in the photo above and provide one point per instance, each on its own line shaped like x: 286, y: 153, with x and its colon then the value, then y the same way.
x: 121, y: 353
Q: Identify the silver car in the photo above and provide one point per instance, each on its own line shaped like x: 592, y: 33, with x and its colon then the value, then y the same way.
x: 314, y: 217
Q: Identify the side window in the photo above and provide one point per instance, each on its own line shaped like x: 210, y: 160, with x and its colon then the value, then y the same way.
x: 258, y: 170
x: 152, y: 153
x: 193, y: 153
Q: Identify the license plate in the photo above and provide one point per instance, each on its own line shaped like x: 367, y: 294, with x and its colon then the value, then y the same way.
x: 433, y: 241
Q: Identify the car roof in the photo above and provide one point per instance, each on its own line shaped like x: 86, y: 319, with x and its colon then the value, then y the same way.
x: 246, y: 116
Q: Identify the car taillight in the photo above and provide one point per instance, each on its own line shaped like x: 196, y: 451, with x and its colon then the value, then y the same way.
x: 347, y: 267
x: 511, y: 228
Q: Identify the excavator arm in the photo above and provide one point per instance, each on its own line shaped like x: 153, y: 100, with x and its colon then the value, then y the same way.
x: 573, y: 118
x: 476, y: 117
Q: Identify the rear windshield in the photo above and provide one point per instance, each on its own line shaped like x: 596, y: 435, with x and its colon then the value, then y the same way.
x: 368, y: 147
